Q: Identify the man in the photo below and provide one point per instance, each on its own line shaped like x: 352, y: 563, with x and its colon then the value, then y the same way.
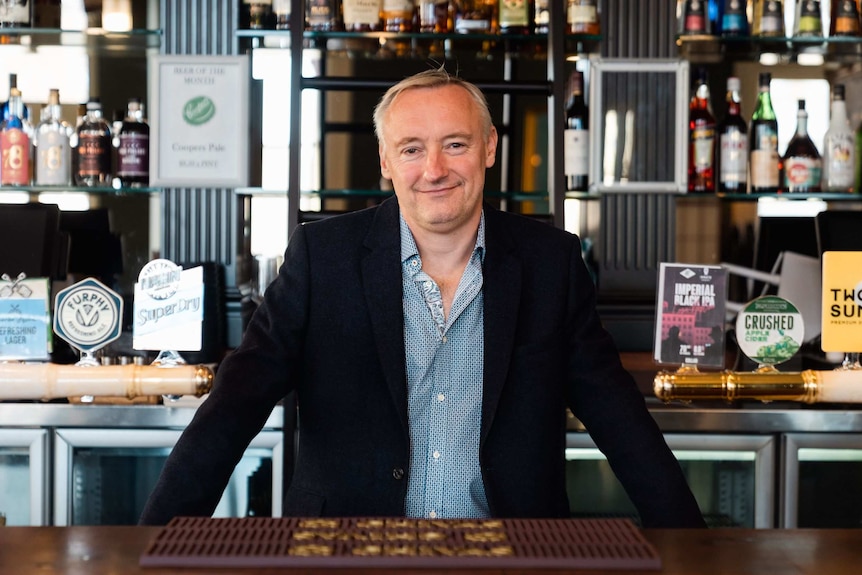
x: 434, y: 344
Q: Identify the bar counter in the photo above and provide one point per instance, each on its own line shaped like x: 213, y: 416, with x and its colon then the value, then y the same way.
x: 110, y: 550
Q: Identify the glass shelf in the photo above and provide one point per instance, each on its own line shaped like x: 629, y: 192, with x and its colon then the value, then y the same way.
x: 835, y: 49
x: 537, y: 196
x: 310, y: 34
x: 92, y: 37
x: 824, y: 196
x: 78, y: 189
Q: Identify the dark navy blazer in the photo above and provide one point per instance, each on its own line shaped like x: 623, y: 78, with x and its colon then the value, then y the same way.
x: 331, y: 328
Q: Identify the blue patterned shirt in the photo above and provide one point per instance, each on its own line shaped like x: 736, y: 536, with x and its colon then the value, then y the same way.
x: 444, y: 387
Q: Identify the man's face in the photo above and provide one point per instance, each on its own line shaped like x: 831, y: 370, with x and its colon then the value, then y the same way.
x: 435, y: 153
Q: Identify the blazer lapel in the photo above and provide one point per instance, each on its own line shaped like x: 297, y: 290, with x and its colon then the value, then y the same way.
x: 381, y: 278
x: 502, y: 289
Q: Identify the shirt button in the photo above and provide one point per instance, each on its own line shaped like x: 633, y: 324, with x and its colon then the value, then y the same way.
x: 436, y: 455
x: 432, y: 514
x: 398, y: 473
x: 441, y: 397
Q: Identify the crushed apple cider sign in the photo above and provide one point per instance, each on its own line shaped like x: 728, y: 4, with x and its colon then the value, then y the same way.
x: 842, y: 302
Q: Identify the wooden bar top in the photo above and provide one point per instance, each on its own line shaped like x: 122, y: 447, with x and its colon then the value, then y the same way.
x: 108, y: 550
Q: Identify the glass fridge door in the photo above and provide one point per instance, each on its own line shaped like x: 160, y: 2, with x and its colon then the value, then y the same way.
x: 822, y: 483
x: 23, y: 476
x: 104, y: 476
x: 731, y: 477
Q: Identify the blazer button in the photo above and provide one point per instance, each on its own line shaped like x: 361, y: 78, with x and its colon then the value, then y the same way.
x: 398, y: 473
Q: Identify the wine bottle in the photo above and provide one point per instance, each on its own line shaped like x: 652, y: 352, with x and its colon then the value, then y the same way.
x: 258, y: 13
x: 692, y: 17
x: 763, y: 158
x: 397, y: 15
x: 541, y: 16
x: 733, y: 19
x: 808, y: 22
x: 281, y: 11
x: 768, y: 18
x: 321, y: 15
x: 582, y: 17
x: 133, y: 152
x: 4, y: 109
x: 576, y: 137
x: 361, y: 15
x: 475, y: 16
x: 701, y: 139
x: 434, y: 16
x: 93, y: 148
x: 802, y: 162
x: 844, y: 18
x: 839, y: 147
x: 732, y: 143
x: 53, y: 152
x: 15, y: 144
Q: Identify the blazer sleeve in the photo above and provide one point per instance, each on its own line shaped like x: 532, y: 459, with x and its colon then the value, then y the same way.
x: 606, y: 399
x: 248, y: 384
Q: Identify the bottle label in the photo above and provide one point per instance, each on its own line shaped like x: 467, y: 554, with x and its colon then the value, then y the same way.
x: 133, y: 155
x: 764, y: 157
x: 52, y: 159
x: 582, y: 14
x: 576, y: 152
x: 319, y: 14
x: 15, y: 14
x: 702, y: 147
x: 809, y: 18
x: 94, y: 155
x: 361, y: 12
x: 801, y: 173
x: 733, y: 146
x: 514, y: 13
x: 839, y: 162
x: 398, y: 6
x: 15, y: 152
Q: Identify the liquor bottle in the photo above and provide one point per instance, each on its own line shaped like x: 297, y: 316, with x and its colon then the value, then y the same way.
x: 541, y: 16
x: 803, y: 165
x: 15, y: 144
x: 53, y: 151
x: 361, y: 15
x: 582, y: 17
x: 434, y: 16
x: 576, y: 137
x: 839, y: 147
x: 732, y: 144
x: 47, y: 13
x: 808, y: 23
x: 515, y: 16
x: 397, y: 15
x: 475, y: 16
x: 321, y: 15
x: 15, y: 14
x: 763, y: 159
x: 733, y: 19
x: 845, y: 18
x: 133, y: 151
x: 281, y: 11
x: 701, y: 139
x: 768, y: 18
x: 93, y: 148
x: 692, y: 17
x: 4, y: 113
x: 259, y: 13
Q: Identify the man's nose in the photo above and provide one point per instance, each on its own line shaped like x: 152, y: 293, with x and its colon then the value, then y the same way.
x: 435, y: 166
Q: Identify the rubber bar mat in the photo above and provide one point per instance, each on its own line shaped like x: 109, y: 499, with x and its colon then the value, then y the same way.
x: 359, y: 542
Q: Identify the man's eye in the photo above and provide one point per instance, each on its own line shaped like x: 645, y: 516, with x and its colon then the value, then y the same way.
x: 410, y: 151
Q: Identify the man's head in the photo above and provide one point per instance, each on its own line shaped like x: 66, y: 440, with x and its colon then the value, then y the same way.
x: 436, y: 140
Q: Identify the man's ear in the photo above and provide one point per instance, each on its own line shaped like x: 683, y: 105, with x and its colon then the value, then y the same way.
x: 491, y: 148
x: 384, y: 165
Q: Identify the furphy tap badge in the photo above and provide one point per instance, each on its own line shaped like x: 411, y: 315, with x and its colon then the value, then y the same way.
x: 88, y: 315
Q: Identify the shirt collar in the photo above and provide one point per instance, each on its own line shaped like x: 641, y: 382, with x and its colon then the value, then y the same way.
x: 408, y: 242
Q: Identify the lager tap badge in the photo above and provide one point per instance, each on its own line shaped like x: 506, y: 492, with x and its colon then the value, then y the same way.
x: 88, y: 315
x: 769, y: 330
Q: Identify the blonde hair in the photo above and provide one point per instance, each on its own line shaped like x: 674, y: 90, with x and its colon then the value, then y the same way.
x: 434, y: 78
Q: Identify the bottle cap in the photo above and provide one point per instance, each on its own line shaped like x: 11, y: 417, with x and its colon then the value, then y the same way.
x: 838, y: 92
x: 764, y: 79
x: 801, y: 104
x: 733, y: 84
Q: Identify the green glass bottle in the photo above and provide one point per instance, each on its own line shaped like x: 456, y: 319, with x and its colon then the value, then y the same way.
x: 763, y: 158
